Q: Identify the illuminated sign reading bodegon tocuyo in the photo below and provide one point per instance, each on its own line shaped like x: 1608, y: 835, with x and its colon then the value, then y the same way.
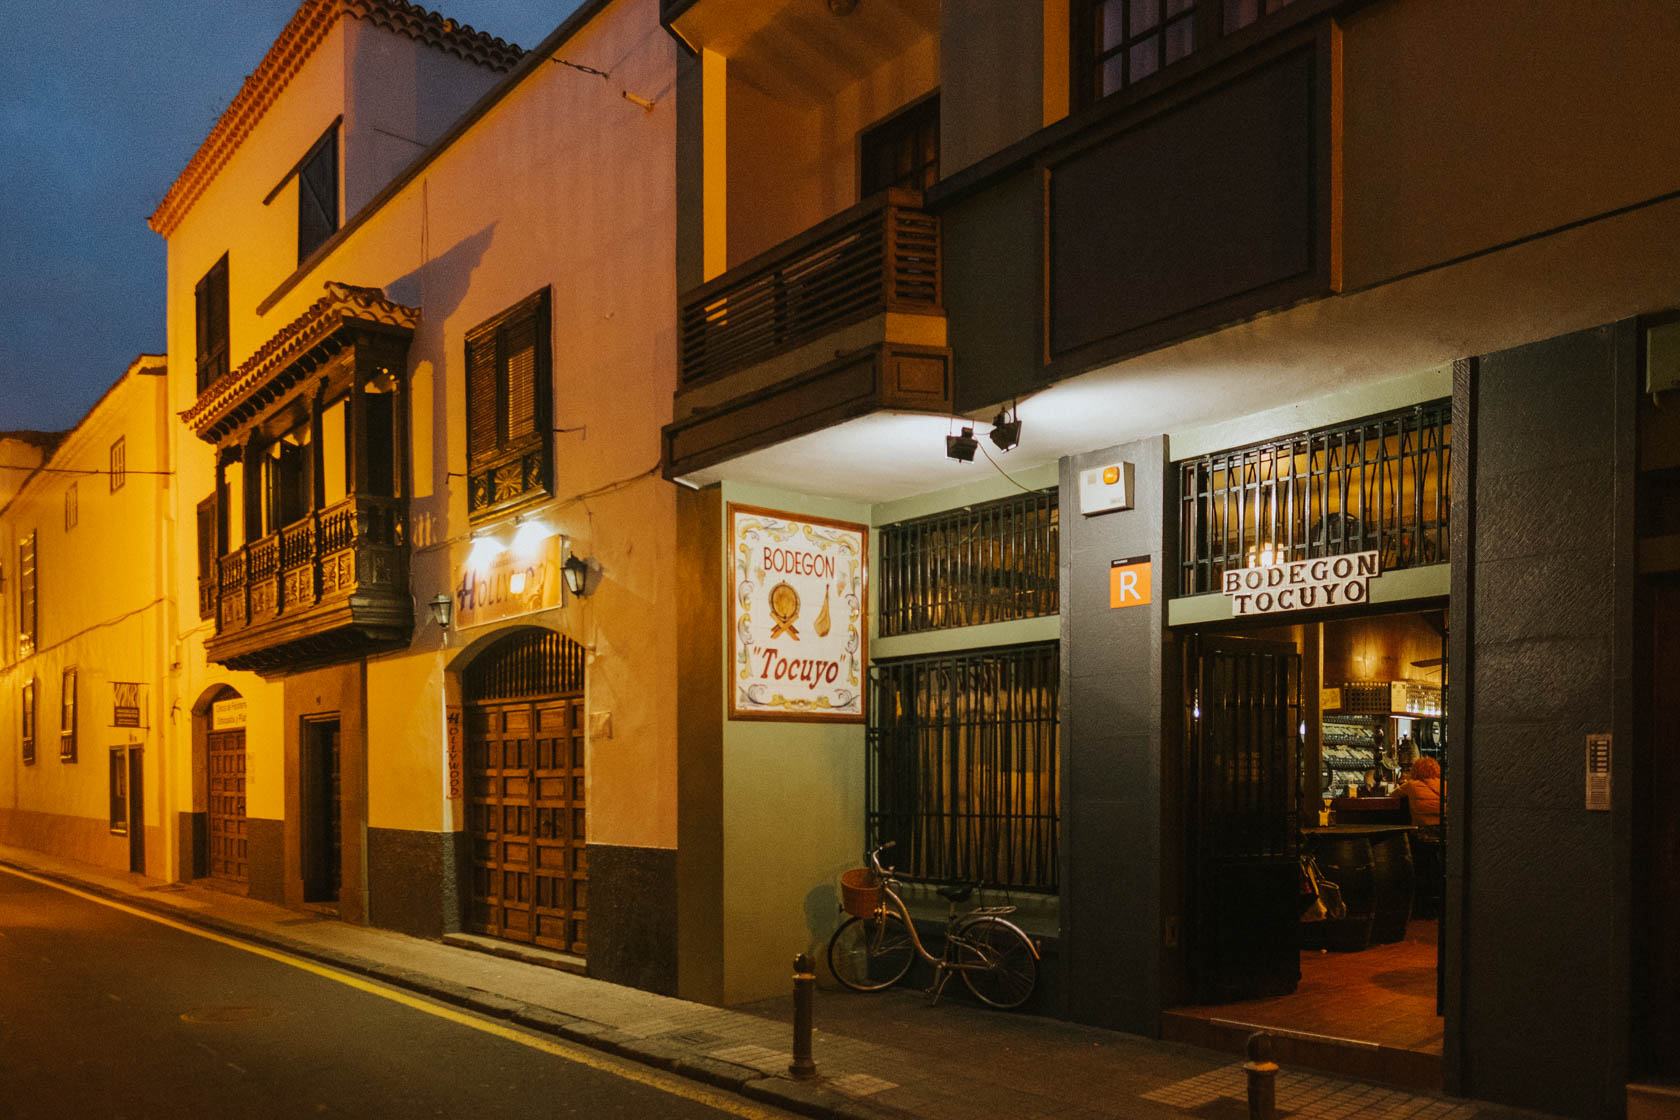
x: 798, y: 591
x: 1299, y: 585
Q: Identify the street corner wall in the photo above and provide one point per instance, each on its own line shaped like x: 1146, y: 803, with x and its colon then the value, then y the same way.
x: 791, y: 805
x: 415, y: 849
x: 1112, y: 747
x: 1538, y: 986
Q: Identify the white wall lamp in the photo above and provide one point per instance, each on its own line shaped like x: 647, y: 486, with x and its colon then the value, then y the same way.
x: 576, y: 574
x: 441, y: 607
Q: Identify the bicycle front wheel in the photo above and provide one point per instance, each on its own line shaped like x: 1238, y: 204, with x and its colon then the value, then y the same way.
x: 868, y: 954
x: 1008, y: 970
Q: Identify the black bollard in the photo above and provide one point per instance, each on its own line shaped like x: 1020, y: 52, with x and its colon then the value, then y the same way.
x: 804, y: 992
x: 1262, y: 1077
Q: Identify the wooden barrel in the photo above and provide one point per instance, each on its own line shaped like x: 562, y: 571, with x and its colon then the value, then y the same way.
x: 1346, y: 860
x: 1391, y: 873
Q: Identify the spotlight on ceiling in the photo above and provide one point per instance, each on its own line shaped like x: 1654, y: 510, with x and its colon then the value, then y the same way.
x: 962, y: 448
x: 1006, y: 433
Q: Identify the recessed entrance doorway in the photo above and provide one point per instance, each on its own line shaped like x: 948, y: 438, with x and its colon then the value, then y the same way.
x: 529, y: 866
x: 1318, y: 744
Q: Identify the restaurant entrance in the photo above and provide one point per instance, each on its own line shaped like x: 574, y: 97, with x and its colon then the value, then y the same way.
x: 1319, y: 745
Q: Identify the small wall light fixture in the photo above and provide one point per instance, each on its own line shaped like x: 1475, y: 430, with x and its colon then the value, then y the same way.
x: 1006, y: 433
x: 576, y: 574
x: 441, y: 607
x: 962, y: 448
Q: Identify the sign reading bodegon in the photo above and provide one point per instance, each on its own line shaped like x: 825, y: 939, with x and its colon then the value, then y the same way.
x: 798, y: 593
x: 1299, y: 585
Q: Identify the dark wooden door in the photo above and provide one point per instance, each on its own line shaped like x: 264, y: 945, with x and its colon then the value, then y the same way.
x: 1243, y: 715
x: 1657, y: 891
x: 526, y: 818
x: 323, y: 846
x: 226, y: 766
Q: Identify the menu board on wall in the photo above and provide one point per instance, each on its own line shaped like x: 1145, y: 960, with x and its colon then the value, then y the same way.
x: 798, y: 621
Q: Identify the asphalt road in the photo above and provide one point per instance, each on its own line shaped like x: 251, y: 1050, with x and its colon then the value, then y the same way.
x: 107, y: 1014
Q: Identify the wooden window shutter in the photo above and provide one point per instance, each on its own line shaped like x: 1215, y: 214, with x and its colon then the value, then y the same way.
x: 481, y: 397
x: 519, y: 344
x: 318, y: 194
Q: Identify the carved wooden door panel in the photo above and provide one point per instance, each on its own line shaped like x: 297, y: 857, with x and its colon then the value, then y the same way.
x: 526, y: 821
x: 225, y: 763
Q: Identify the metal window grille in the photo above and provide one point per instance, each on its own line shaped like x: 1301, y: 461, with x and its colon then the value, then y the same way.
x: 963, y: 766
x: 1377, y: 484
x: 983, y: 563
x: 526, y: 663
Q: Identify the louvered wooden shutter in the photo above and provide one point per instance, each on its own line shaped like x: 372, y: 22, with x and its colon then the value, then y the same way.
x: 318, y: 195
x: 519, y: 344
x: 481, y: 397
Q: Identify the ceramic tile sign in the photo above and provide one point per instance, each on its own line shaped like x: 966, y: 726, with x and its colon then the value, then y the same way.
x: 798, y: 603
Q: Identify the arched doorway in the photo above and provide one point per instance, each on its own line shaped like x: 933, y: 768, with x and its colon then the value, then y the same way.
x: 529, y: 878
x: 226, y: 859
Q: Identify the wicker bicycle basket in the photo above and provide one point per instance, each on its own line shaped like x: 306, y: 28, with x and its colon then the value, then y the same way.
x: 859, y: 893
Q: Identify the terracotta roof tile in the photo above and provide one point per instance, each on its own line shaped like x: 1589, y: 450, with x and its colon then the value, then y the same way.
x: 296, y: 43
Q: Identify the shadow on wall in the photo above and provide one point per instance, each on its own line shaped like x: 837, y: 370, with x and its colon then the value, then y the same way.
x: 822, y: 915
x: 440, y: 283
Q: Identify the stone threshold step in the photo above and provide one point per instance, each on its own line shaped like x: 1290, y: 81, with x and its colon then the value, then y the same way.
x: 514, y: 951
x: 1344, y: 1057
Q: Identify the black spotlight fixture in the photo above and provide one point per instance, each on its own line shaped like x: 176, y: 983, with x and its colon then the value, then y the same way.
x: 962, y: 448
x: 1006, y: 433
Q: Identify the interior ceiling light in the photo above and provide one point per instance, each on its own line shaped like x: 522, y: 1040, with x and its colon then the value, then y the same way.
x: 962, y: 448
x: 1006, y: 433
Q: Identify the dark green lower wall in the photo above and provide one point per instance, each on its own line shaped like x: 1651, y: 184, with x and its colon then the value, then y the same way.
x: 414, y: 880
x: 633, y: 916
x: 265, y: 855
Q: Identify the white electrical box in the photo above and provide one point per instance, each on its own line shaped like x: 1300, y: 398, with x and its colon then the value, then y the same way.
x: 1105, y: 489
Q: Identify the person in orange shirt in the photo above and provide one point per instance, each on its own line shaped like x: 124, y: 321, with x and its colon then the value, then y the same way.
x: 1423, y: 793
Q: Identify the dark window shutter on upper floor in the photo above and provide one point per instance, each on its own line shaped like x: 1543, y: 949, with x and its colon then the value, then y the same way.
x: 318, y: 195
x: 211, y: 304
x: 481, y: 397
x: 519, y: 344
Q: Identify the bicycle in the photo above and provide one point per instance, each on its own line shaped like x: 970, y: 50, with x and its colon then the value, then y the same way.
x: 874, y: 948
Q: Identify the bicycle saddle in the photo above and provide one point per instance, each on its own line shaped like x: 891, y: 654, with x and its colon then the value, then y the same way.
x: 959, y: 892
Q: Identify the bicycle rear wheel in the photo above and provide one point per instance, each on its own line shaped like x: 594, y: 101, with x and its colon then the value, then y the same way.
x: 1011, y: 966
x: 868, y: 954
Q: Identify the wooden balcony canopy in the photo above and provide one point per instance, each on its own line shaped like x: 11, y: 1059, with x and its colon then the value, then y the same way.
x: 244, y: 395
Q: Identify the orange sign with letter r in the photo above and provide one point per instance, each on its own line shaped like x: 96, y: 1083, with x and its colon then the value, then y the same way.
x: 1128, y: 582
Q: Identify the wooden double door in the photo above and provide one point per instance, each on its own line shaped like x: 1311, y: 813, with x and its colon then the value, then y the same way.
x: 225, y: 766
x: 525, y: 821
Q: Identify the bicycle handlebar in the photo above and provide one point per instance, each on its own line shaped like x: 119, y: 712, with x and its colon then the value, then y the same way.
x: 875, y: 858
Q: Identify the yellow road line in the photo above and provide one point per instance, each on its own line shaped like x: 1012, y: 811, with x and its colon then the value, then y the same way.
x: 594, y: 1059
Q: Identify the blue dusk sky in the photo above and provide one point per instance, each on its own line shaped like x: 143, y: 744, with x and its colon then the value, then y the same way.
x: 102, y: 103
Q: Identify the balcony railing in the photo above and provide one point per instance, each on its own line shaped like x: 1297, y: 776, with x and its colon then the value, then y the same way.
x: 1377, y: 484
x: 881, y: 255
x: 356, y: 546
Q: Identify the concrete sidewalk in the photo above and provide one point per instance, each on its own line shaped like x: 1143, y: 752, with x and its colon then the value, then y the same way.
x: 890, y: 1054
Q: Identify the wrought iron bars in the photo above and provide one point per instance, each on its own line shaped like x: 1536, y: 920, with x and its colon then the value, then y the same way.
x: 982, y: 563
x: 1376, y: 484
x: 962, y: 767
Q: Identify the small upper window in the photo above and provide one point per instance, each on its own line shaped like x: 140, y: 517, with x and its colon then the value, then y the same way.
x: 70, y: 510
x: 27, y: 702
x: 119, y: 464
x: 317, y: 189
x: 1118, y: 43
x: 902, y: 151
x: 26, y: 620
x: 211, y: 298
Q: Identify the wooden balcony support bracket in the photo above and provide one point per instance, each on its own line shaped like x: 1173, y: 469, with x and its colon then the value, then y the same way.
x: 884, y: 377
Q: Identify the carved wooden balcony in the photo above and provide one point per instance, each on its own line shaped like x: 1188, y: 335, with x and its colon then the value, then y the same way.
x: 327, y: 588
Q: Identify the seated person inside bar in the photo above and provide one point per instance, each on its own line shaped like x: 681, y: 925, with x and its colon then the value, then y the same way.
x: 1423, y: 793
